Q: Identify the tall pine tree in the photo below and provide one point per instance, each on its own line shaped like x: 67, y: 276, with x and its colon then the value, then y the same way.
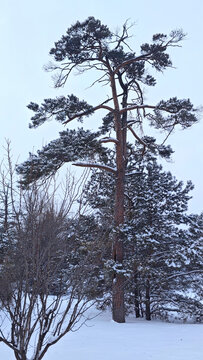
x: 90, y: 45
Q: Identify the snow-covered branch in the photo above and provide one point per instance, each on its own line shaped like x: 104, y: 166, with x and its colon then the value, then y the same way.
x: 95, y: 165
x: 186, y: 273
x: 109, y: 139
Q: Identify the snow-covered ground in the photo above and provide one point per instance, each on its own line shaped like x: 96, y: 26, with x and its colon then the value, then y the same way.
x: 101, y: 338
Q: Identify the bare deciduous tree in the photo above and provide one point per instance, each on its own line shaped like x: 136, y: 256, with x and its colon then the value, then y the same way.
x: 32, y: 319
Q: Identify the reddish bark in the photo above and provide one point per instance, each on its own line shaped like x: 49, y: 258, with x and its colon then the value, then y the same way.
x: 118, y: 252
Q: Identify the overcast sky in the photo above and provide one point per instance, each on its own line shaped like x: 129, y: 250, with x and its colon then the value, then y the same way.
x: 28, y: 29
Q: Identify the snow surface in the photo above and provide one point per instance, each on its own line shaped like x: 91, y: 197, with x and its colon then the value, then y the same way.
x: 101, y: 338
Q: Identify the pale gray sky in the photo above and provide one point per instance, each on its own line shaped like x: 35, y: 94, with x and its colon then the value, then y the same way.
x: 28, y: 29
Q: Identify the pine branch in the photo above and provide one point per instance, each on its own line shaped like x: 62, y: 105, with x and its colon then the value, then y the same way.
x: 100, y: 106
x: 108, y: 139
x: 138, y: 107
x: 98, y: 166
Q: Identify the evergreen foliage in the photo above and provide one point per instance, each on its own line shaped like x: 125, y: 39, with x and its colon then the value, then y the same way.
x: 90, y: 45
x: 163, y: 244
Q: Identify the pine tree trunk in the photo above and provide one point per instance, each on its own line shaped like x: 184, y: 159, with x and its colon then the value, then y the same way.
x: 118, y: 281
x: 118, y: 251
x: 136, y: 294
x: 118, y: 299
x: 147, y: 303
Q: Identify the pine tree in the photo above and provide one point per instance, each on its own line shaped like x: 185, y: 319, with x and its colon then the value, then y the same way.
x: 163, y: 261
x: 90, y: 45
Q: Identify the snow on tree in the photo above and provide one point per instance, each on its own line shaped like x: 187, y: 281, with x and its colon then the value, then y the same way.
x: 163, y: 260
x: 90, y: 45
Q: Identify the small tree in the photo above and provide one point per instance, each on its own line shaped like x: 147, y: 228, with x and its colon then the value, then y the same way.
x: 32, y: 269
x: 89, y: 45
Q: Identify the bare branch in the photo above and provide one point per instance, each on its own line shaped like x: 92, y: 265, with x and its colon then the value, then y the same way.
x: 124, y: 36
x: 135, y: 107
x: 136, y: 136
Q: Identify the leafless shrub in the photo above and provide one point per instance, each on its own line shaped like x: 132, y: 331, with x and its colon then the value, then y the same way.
x: 37, y: 250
